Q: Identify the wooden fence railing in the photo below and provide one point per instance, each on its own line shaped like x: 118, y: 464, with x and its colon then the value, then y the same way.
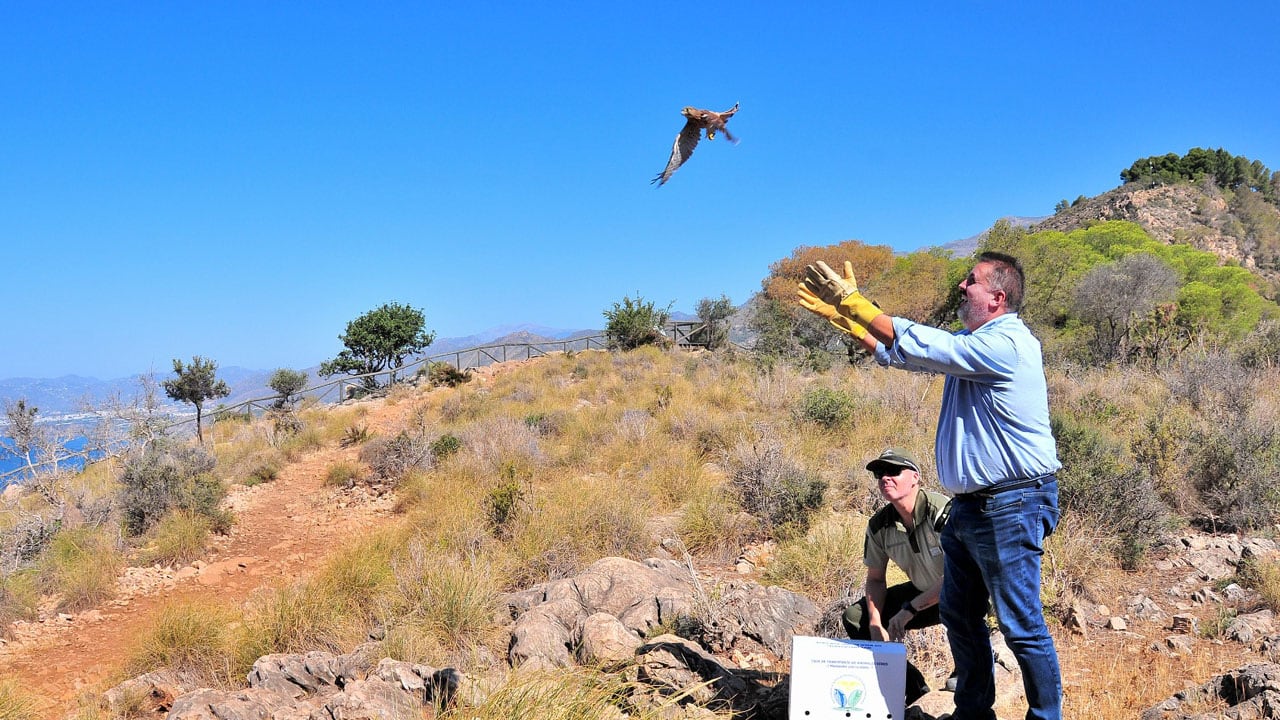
x: 683, y: 334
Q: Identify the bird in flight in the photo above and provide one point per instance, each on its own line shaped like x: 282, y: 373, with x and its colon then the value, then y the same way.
x: 687, y: 140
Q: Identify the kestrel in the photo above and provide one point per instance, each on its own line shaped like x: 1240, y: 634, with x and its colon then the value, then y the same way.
x: 687, y: 140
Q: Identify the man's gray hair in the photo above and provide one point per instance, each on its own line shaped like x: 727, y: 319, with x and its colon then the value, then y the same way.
x: 1006, y: 276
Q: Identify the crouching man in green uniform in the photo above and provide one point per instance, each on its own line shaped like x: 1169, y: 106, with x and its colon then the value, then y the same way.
x: 905, y: 531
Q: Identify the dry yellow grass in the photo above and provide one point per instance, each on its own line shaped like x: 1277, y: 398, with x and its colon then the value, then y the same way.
x: 80, y: 567
x: 601, y: 448
x: 15, y: 704
x: 178, y: 538
x: 191, y: 637
x: 565, y: 695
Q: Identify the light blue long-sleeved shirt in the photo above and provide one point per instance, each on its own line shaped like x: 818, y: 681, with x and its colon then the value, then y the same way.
x: 994, y: 422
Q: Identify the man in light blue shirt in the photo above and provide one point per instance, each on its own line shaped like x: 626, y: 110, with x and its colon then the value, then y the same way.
x: 995, y: 452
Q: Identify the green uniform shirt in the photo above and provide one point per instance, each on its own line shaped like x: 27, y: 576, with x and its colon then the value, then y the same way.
x: 918, y: 553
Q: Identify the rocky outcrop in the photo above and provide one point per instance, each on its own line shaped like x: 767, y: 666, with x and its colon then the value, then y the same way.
x: 1185, y: 214
x: 324, y: 686
x: 689, y: 650
x: 1251, y: 692
x: 617, y: 614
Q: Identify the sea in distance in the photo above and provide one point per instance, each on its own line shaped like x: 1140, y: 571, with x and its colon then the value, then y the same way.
x: 11, y: 462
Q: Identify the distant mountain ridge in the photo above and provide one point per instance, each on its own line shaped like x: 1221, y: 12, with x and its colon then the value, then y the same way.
x: 72, y: 394
x: 967, y: 246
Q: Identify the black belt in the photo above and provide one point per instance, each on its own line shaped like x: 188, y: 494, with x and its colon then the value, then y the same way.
x: 993, y: 490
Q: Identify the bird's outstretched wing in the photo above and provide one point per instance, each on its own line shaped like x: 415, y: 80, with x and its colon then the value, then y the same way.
x: 681, y: 150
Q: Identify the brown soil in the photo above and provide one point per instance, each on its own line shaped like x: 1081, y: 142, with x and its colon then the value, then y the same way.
x: 283, y: 528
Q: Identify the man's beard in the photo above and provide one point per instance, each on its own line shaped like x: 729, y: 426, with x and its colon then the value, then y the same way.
x: 970, y: 316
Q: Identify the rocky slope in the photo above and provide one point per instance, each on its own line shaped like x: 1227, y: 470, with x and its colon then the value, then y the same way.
x: 1196, y: 215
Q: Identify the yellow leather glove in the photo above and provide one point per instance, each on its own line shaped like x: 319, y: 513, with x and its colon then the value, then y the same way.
x: 815, y: 304
x: 841, y: 292
x: 859, y: 308
x: 849, y: 326
x: 822, y: 281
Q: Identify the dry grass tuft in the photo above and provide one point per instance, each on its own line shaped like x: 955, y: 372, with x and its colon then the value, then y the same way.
x: 342, y: 474
x: 333, y: 610
x: 1122, y: 680
x: 178, y: 538
x: 19, y: 598
x: 823, y: 563
x: 192, y: 638
x: 449, y: 603
x: 573, y: 522
x: 80, y: 565
x: 16, y: 704
x: 712, y: 524
x: 568, y: 695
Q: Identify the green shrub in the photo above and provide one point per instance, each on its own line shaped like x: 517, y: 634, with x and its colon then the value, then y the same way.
x: 635, y: 323
x: 222, y: 415
x: 1236, y: 468
x: 503, y: 504
x: 715, y: 314
x: 288, y: 383
x: 166, y: 474
x: 445, y: 445
x: 1099, y: 479
x: 442, y: 374
x: 827, y: 407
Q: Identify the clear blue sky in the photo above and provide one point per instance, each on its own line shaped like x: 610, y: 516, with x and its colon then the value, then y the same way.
x: 240, y: 179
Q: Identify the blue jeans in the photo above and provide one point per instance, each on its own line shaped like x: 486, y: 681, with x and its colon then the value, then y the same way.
x: 992, y: 548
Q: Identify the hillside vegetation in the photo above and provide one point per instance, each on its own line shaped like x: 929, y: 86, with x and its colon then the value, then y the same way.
x: 1162, y: 361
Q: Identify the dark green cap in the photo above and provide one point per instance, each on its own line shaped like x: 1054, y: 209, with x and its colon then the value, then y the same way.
x: 894, y: 458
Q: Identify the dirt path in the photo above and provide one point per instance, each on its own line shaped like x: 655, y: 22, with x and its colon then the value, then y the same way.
x: 283, y: 528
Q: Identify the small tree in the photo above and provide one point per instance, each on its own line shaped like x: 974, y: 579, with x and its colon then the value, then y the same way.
x: 633, y: 323
x: 196, y: 383
x: 714, y: 313
x: 1114, y: 298
x: 288, y: 383
x: 22, y: 429
x: 380, y: 340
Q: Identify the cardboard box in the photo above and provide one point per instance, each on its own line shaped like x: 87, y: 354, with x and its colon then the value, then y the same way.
x: 847, y: 679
